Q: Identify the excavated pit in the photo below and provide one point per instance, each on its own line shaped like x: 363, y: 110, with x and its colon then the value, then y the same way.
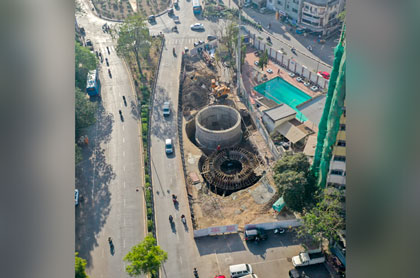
x: 230, y: 170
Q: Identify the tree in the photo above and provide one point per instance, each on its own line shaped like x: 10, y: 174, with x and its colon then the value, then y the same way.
x: 85, y: 111
x: 145, y: 257
x: 84, y: 62
x: 263, y: 60
x: 243, y: 52
x: 79, y: 267
x: 134, y: 38
x: 326, y: 219
x: 342, y: 16
x: 231, y: 38
x: 295, y: 182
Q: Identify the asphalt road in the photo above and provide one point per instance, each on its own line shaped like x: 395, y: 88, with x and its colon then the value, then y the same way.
x: 167, y: 175
x: 110, y: 174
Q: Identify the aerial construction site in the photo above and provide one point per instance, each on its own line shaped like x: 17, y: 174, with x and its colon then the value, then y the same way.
x: 227, y: 163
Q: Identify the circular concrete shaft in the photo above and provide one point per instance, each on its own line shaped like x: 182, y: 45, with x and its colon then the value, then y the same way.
x: 218, y: 125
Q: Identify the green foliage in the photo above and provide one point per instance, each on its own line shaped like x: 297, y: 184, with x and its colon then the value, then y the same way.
x: 134, y: 38
x: 84, y: 62
x: 144, y: 128
x: 150, y: 225
x: 263, y: 61
x: 149, y: 213
x: 85, y: 111
x: 145, y: 257
x: 342, y: 16
x: 80, y: 267
x: 147, y: 178
x: 326, y: 219
x: 295, y: 182
x: 78, y: 154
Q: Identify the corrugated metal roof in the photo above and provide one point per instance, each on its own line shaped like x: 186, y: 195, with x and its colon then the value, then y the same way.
x: 291, y: 132
x: 280, y: 112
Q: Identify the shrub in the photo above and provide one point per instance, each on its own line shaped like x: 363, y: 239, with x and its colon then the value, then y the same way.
x: 147, y: 178
x: 149, y: 213
x: 150, y: 225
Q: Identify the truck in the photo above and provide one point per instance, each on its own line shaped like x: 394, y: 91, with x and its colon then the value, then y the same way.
x: 309, y: 257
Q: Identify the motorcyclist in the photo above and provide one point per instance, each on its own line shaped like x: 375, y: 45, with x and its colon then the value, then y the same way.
x: 195, y: 272
x: 171, y: 218
x: 109, y: 72
x: 106, y: 60
x: 125, y: 102
x: 120, y: 112
x: 183, y: 219
x: 107, y: 48
x: 110, y: 240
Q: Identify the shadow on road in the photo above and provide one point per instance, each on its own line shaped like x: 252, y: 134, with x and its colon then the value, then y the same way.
x: 93, y: 176
x: 219, y: 244
x: 289, y: 238
x: 161, y: 127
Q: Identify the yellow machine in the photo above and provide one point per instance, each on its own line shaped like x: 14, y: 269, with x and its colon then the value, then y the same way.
x: 219, y: 90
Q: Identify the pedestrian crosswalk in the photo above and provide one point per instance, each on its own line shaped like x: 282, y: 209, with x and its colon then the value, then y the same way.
x: 183, y: 41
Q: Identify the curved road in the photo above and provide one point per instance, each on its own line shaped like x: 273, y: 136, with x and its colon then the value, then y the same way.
x: 110, y: 176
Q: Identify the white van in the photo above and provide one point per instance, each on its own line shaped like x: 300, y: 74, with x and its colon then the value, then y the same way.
x: 240, y: 270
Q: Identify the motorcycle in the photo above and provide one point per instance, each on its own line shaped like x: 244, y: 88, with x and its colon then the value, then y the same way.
x: 125, y: 101
x: 294, y: 51
x: 171, y: 219
x: 107, y: 63
x: 174, y: 199
x: 109, y: 72
x: 183, y: 219
x: 107, y: 48
x: 195, y: 272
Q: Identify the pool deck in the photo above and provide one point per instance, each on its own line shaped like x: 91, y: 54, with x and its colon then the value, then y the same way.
x: 252, y: 74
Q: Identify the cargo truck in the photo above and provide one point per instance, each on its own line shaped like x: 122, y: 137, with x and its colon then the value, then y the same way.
x: 309, y: 257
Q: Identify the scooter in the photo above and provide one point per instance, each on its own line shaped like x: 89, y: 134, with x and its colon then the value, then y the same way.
x: 171, y: 219
x: 107, y: 48
x: 109, y: 72
x: 125, y: 101
x: 107, y: 63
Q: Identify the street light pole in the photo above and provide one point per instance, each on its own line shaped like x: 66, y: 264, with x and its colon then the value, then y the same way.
x: 238, y: 74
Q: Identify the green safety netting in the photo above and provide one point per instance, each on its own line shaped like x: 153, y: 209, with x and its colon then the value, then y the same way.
x: 330, y: 120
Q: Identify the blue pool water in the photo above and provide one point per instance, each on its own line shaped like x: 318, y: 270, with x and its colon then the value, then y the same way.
x: 280, y: 91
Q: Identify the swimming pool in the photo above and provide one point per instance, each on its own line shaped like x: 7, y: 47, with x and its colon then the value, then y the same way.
x: 281, y: 91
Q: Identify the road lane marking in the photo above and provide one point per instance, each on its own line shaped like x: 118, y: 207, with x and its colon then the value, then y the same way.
x: 123, y: 127
x: 124, y: 202
x: 123, y: 140
x: 123, y: 153
x: 124, y: 243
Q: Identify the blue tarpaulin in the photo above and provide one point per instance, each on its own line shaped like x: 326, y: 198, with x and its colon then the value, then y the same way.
x: 279, y: 204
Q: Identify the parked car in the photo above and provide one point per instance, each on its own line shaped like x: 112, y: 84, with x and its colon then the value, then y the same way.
x: 151, y: 18
x: 256, y: 63
x: 306, y: 84
x: 176, y: 19
x: 324, y: 74
x: 299, y: 79
x: 166, y: 109
x: 314, y: 88
x: 309, y: 257
x: 197, y: 26
x: 76, y: 196
x: 294, y: 273
x: 269, y: 70
x: 170, y: 11
x: 169, y: 148
x: 211, y: 37
x: 291, y: 74
x: 254, y: 234
x: 239, y: 270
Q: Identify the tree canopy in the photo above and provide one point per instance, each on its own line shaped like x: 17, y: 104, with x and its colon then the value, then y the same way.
x: 134, y: 38
x: 85, y: 111
x: 145, y: 257
x: 263, y: 61
x: 80, y: 267
x: 326, y: 219
x: 85, y: 61
x: 295, y: 182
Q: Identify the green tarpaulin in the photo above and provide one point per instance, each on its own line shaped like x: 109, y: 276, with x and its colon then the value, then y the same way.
x: 279, y: 204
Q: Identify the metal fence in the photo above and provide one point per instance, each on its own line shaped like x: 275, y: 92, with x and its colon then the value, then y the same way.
x: 274, y: 225
x: 218, y: 230
x: 281, y: 59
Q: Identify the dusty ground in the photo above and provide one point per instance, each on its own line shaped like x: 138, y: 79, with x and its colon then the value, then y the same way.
x: 251, y: 205
x: 153, y: 7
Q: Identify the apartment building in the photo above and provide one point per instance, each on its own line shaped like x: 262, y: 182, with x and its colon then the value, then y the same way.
x: 337, y: 173
x: 319, y: 16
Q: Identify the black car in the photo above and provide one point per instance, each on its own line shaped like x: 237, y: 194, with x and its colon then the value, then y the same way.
x: 255, y: 234
x: 294, y: 273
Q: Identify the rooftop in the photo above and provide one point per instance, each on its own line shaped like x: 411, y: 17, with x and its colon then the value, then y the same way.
x: 280, y: 112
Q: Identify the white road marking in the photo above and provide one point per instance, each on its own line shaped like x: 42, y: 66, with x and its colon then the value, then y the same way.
x: 123, y: 140
x: 123, y: 153
x: 124, y: 243
x: 124, y: 202
x: 123, y: 127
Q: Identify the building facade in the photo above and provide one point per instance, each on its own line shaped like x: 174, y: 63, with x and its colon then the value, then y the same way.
x: 319, y: 16
x: 337, y: 173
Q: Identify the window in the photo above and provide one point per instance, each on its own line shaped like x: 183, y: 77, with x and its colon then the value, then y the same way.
x: 342, y: 127
x: 287, y: 6
x: 339, y: 158
x: 306, y: 7
x: 294, y: 10
x: 341, y: 143
x: 337, y: 172
x: 279, y: 2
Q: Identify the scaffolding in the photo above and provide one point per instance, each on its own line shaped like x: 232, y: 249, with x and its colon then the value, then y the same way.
x: 330, y: 120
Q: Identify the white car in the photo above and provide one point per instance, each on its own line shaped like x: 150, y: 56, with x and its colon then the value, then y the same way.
x: 240, y: 270
x: 306, y: 84
x: 256, y: 63
x: 169, y: 148
x: 270, y: 71
x: 197, y: 26
x: 314, y: 88
x: 76, y: 196
x: 291, y: 74
x: 299, y: 79
x: 198, y: 43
